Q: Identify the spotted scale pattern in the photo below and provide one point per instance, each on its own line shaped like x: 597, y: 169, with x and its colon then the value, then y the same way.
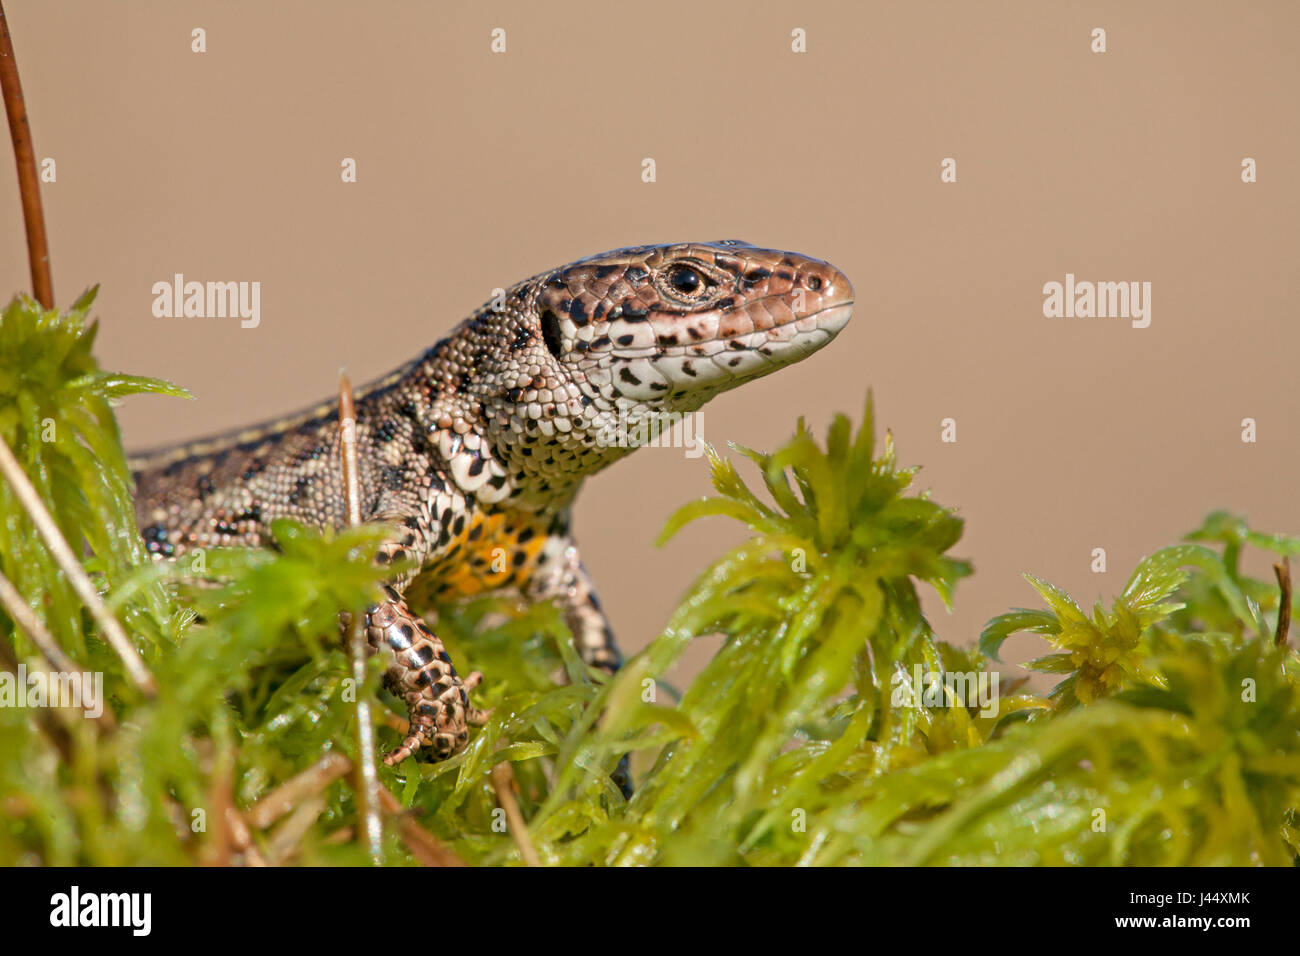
x: 472, y: 453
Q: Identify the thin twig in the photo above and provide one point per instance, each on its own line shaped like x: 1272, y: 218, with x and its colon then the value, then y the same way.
x: 284, y: 842
x: 339, y: 836
x: 298, y: 787
x: 221, y: 800
x: 54, y: 723
x: 56, y: 733
x: 424, y: 846
x: 38, y: 253
x: 348, y: 449
x: 110, y: 629
x: 242, y: 838
x: 421, y: 843
x: 503, y: 779
x: 372, y: 825
x: 1283, y: 572
x: 25, y: 618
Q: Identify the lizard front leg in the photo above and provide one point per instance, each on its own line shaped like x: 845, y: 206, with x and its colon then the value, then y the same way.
x: 561, y: 578
x: 439, y: 711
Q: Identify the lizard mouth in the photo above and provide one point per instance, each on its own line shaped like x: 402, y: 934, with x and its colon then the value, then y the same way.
x: 695, y: 371
x: 828, y: 321
x: 784, y: 344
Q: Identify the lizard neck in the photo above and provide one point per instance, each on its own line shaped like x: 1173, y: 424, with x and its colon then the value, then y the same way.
x: 476, y: 417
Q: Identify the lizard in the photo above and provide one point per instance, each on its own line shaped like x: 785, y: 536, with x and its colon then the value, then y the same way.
x: 471, y: 455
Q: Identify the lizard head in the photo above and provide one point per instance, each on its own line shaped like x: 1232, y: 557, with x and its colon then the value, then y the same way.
x: 668, y: 327
x: 599, y: 346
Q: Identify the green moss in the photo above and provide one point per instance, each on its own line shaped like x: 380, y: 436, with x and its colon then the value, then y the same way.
x: 1173, y: 736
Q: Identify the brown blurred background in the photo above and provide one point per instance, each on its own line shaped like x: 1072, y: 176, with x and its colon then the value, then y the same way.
x: 478, y: 169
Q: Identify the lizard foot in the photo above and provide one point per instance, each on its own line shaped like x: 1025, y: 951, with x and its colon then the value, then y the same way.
x: 437, y: 699
x: 439, y: 726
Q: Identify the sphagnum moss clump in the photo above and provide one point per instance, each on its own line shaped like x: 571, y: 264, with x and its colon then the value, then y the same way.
x: 1173, y: 736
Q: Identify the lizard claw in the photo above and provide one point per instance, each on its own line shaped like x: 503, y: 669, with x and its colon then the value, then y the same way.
x: 474, y: 716
x: 440, y: 724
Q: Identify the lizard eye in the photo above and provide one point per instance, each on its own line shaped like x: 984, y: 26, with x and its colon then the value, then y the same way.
x: 685, y: 280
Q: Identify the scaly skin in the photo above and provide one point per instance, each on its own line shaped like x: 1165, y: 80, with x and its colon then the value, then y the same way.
x: 473, y: 453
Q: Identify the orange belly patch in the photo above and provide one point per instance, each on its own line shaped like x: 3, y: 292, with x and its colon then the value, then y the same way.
x: 499, y: 549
